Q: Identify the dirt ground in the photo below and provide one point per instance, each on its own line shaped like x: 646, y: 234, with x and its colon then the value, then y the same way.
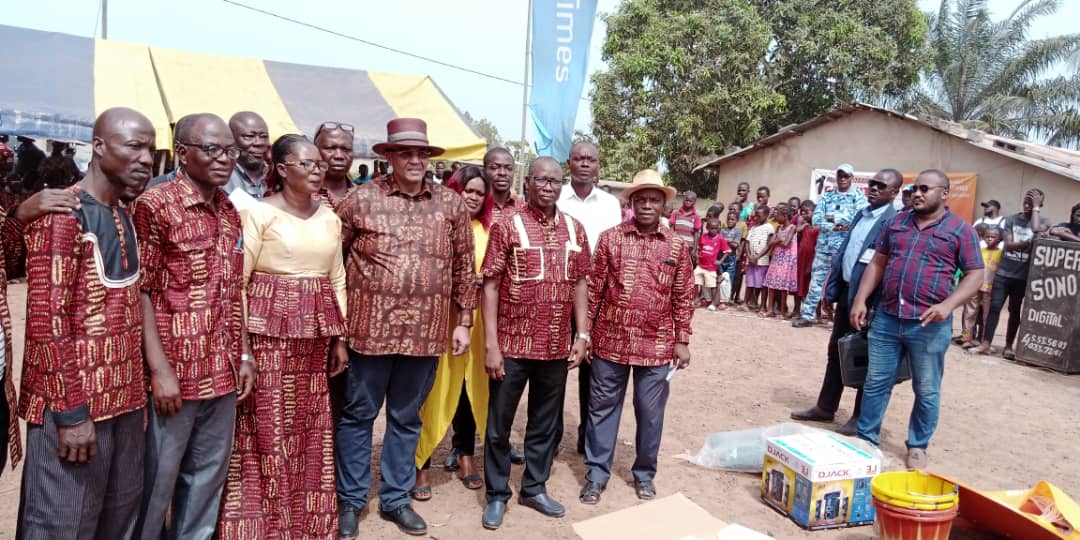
x: 1003, y: 425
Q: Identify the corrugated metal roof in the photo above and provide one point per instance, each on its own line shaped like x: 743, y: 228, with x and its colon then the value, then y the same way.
x: 1059, y: 161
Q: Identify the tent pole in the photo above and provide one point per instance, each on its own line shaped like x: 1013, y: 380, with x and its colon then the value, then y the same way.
x: 522, y: 149
x: 104, y: 19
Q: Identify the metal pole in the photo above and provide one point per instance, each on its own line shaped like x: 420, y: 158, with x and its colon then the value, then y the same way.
x: 525, y: 98
x: 104, y: 19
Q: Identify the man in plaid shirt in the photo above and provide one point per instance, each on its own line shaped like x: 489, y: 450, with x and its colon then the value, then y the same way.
x: 915, y: 261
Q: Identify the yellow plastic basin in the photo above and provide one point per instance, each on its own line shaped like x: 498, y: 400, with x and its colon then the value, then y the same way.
x: 915, y: 490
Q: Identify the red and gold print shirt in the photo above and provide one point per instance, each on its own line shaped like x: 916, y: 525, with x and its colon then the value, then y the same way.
x: 13, y: 253
x: 407, y: 259
x: 641, y: 295
x: 83, y: 318
x: 538, y: 262
x: 193, y: 263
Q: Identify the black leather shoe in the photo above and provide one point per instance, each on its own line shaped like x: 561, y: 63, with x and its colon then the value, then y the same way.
x: 850, y: 427
x: 590, y: 494
x: 544, y: 504
x: 516, y: 457
x: 348, y: 522
x: 802, y: 323
x: 813, y: 414
x: 407, y: 520
x: 645, y: 490
x: 493, y: 515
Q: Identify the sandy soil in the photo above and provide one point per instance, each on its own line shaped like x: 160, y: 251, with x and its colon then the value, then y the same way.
x: 1003, y: 425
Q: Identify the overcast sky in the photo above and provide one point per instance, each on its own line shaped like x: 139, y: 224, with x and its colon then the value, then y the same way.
x: 483, y: 35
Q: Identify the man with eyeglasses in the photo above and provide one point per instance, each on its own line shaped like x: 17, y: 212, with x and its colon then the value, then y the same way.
x: 499, y: 172
x: 833, y: 215
x: 597, y: 211
x: 844, y: 279
x: 914, y: 264
x: 252, y: 137
x: 335, y: 142
x: 535, y: 283
x: 194, y: 343
x: 409, y: 264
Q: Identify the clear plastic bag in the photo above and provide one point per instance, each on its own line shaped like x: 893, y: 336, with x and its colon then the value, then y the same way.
x: 744, y: 450
x: 741, y: 451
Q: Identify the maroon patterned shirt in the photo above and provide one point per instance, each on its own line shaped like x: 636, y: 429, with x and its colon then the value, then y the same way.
x: 193, y: 264
x: 641, y: 295
x: 403, y: 307
x: 513, y: 205
x: 13, y: 253
x: 83, y: 318
x: 538, y: 267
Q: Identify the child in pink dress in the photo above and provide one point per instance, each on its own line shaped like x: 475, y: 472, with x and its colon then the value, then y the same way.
x: 783, y: 274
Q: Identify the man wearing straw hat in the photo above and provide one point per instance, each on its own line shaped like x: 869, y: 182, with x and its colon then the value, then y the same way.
x: 408, y: 254
x: 641, y: 300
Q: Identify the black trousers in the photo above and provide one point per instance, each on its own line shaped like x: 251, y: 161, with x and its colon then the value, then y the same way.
x: 832, y: 388
x: 1013, y: 289
x: 464, y: 438
x: 546, y: 380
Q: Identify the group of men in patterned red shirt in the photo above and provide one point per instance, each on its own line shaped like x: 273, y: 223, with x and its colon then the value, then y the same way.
x: 137, y: 351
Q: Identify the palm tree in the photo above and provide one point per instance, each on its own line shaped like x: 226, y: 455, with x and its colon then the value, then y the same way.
x: 988, y: 75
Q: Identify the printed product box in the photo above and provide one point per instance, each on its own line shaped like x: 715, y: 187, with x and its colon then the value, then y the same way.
x: 818, y: 479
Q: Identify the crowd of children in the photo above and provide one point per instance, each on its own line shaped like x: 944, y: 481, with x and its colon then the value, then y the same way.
x: 767, y: 248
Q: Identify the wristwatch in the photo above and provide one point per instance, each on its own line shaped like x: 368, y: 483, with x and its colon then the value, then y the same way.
x: 584, y: 337
x: 247, y: 358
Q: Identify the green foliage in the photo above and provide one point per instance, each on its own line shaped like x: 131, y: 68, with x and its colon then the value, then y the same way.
x: 688, y: 78
x: 829, y: 52
x: 988, y: 75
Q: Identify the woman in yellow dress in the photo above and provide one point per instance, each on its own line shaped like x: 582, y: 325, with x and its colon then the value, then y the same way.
x: 459, y: 396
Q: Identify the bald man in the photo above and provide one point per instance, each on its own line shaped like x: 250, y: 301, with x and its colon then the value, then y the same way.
x: 196, y: 353
x: 527, y: 310
x: 253, y: 138
x: 82, y: 383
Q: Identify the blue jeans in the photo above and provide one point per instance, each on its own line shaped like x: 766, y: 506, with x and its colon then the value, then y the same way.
x: 889, y: 338
x: 403, y: 382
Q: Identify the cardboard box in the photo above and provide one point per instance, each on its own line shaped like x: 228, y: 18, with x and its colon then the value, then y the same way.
x: 820, y: 480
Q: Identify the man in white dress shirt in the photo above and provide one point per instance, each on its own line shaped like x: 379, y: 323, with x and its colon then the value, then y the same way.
x: 598, y: 211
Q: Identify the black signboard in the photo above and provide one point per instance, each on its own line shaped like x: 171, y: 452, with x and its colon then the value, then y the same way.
x: 1050, y: 322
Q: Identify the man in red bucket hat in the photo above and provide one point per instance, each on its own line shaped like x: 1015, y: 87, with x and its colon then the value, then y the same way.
x: 408, y: 259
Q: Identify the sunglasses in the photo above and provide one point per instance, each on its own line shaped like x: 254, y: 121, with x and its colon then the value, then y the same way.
x: 335, y: 125
x: 923, y: 188
x: 877, y: 184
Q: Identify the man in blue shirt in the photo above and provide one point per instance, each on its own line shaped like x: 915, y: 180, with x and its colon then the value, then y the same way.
x: 833, y: 215
x: 843, y: 283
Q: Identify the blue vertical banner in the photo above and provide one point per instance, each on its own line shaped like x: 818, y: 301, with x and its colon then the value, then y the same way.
x: 561, y: 32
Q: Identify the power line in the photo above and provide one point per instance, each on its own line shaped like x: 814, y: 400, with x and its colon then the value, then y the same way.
x: 373, y: 44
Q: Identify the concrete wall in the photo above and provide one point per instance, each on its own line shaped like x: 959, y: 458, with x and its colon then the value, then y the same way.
x: 871, y: 141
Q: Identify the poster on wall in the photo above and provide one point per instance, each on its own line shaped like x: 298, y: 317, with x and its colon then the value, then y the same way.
x: 1049, y: 331
x: 961, y: 194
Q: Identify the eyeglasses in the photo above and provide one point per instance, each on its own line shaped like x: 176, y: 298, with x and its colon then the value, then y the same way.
x: 309, y: 165
x: 335, y: 125
x: 541, y: 181
x: 923, y: 188
x: 877, y: 184
x: 214, y: 151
